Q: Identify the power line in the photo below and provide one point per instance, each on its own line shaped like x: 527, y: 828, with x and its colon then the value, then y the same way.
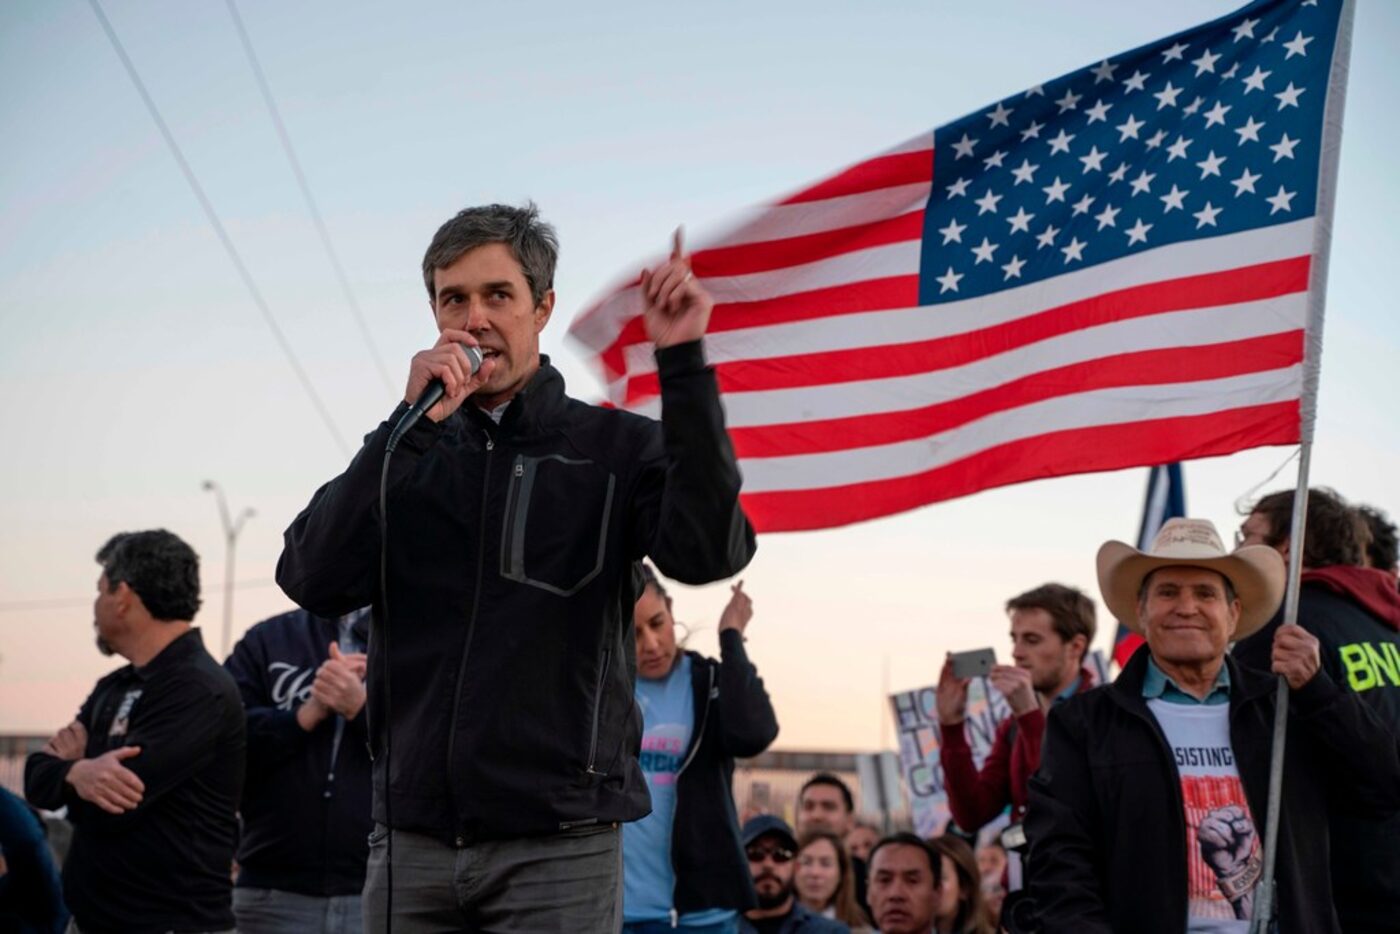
x: 218, y: 226
x: 311, y: 205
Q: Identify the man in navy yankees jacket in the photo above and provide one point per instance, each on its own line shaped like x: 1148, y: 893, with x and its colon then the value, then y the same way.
x: 306, y: 801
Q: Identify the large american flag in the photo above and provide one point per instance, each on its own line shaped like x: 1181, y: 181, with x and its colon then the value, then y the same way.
x: 1123, y: 266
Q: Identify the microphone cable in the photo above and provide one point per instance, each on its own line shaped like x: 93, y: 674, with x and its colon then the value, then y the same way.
x: 427, y: 400
x: 388, y: 692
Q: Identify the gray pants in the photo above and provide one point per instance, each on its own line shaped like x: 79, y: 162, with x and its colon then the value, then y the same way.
x: 271, y: 911
x: 568, y: 882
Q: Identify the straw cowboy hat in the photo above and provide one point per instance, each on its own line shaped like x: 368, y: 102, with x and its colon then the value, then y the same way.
x: 1256, y: 571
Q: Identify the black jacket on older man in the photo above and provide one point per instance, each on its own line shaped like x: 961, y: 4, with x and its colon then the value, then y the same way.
x: 1106, y: 823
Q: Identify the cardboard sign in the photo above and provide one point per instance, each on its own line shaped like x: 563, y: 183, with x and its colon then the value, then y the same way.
x: 916, y: 722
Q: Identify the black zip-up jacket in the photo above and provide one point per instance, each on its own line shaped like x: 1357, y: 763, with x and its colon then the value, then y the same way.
x: 507, y: 663
x: 164, y: 865
x: 1106, y: 824
x: 306, y: 801
x: 1362, y: 653
x: 733, y: 719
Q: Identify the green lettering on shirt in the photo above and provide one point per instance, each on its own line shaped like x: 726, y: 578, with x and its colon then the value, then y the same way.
x: 1360, y: 675
x: 1384, y: 663
x: 1392, y: 652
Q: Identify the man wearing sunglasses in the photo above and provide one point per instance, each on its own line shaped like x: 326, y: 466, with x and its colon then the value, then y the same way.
x: 771, y: 849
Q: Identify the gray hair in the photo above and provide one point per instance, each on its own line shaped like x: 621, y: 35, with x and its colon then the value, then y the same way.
x: 532, y: 242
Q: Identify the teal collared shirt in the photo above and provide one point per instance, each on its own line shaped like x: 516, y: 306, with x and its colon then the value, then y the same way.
x: 1157, y: 685
x: 1070, y: 691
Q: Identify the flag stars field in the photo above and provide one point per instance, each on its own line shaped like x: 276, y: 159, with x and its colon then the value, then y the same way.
x: 1128, y: 129
x: 1138, y: 232
x: 1245, y: 30
x: 1167, y: 96
x: 1099, y: 112
x: 1282, y: 201
x: 1025, y: 172
x: 1093, y: 160
x: 1216, y: 115
x: 1206, y: 62
x: 1245, y: 183
x: 1288, y: 97
x: 1255, y: 81
x: 1141, y: 141
x: 1210, y: 165
x: 1297, y: 45
x: 1249, y: 131
x: 1283, y: 149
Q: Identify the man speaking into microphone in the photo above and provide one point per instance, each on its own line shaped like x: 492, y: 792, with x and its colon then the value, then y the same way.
x: 501, y: 670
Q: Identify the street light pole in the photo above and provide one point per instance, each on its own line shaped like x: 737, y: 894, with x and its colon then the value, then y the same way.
x: 231, y: 529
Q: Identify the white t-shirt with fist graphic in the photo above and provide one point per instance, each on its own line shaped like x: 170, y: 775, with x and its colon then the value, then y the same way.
x: 1222, y: 848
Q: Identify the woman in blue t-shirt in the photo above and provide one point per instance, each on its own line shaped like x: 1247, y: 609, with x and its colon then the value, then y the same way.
x: 683, y: 865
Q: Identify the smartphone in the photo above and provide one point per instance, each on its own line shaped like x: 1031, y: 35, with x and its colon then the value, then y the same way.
x: 974, y: 664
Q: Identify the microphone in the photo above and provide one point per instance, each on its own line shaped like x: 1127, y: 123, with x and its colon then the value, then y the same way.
x: 430, y: 397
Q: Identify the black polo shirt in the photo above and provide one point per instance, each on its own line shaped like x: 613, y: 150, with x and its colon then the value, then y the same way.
x: 164, y: 866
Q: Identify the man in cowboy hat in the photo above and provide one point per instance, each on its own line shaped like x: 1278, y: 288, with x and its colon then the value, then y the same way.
x: 1147, y: 812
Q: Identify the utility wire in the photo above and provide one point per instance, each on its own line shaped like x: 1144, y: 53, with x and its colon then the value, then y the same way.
x: 218, y: 226
x: 310, y: 200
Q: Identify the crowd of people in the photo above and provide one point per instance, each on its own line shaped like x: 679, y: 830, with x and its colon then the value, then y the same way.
x: 483, y: 716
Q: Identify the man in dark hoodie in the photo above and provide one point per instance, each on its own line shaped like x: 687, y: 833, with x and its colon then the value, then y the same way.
x: 1354, y: 611
x: 306, y: 801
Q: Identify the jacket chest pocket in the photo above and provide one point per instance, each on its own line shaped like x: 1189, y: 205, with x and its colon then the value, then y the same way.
x: 556, y: 522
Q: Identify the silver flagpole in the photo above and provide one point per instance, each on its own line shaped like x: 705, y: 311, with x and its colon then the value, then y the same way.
x: 1263, y: 914
x: 1264, y: 894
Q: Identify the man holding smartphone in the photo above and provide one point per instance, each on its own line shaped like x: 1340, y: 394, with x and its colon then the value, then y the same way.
x: 1051, y: 629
